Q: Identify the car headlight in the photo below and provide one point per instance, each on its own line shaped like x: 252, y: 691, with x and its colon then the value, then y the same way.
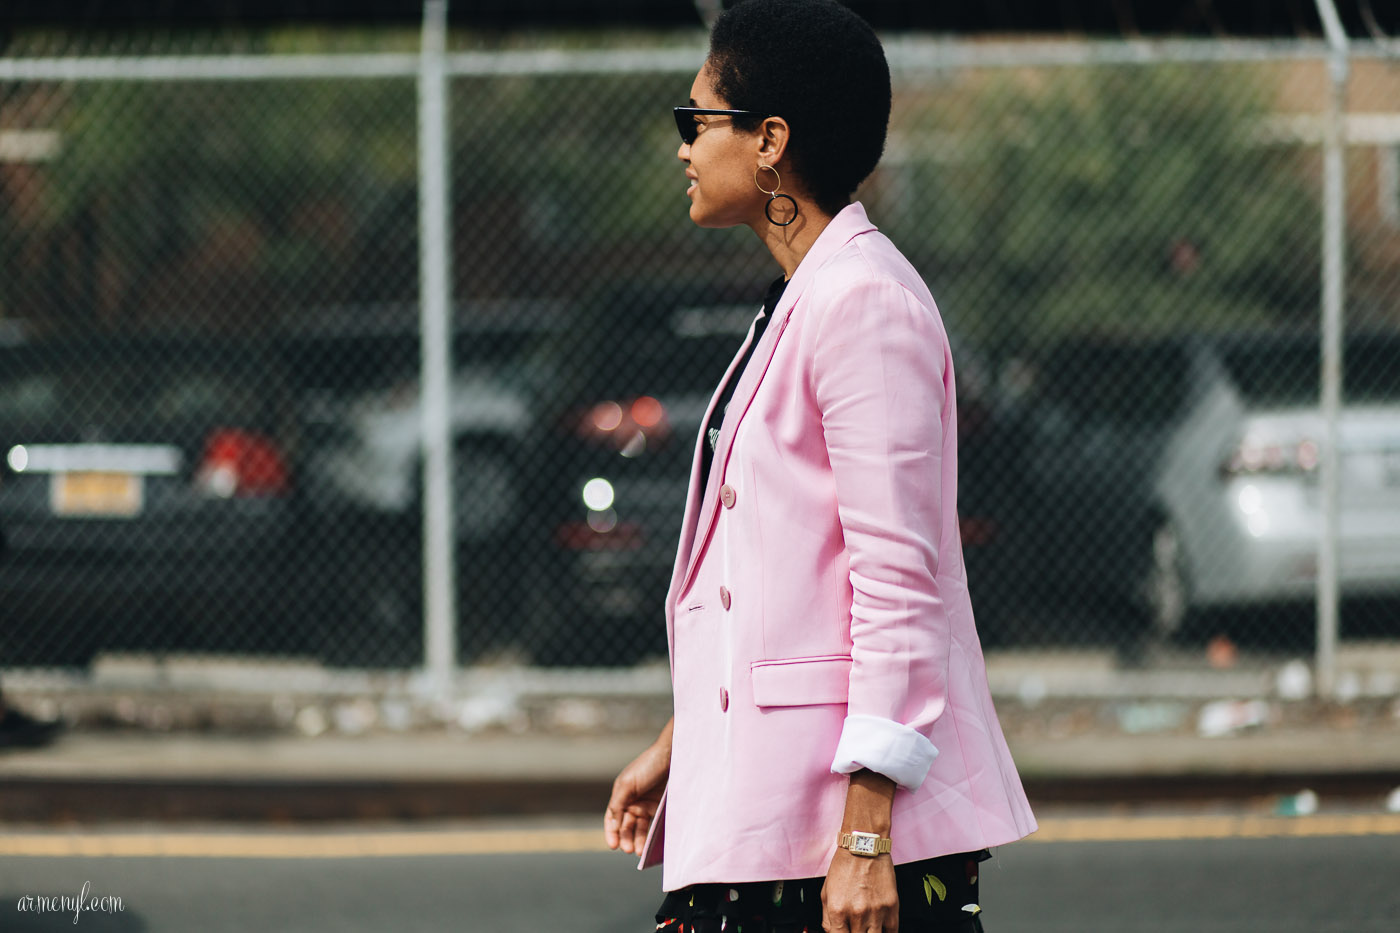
x: 598, y: 494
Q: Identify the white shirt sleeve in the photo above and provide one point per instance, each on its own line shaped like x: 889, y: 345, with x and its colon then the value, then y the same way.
x: 893, y: 749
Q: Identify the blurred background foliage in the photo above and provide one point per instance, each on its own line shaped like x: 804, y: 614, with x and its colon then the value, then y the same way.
x: 164, y: 205
x: 1036, y: 201
x: 1105, y: 199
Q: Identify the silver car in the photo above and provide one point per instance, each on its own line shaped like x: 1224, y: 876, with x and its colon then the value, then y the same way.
x: 358, y: 381
x: 1181, y: 474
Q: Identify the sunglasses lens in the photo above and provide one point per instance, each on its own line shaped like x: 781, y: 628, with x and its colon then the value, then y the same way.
x: 685, y: 123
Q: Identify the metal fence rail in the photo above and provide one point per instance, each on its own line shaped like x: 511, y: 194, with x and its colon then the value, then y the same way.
x: 219, y: 260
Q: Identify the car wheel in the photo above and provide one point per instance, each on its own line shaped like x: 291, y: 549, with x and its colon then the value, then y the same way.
x: 488, y: 507
x: 374, y: 617
x: 486, y: 492
x: 1163, y: 595
x: 380, y: 626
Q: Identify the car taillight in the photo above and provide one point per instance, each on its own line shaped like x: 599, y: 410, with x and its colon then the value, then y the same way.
x: 976, y: 532
x: 627, y: 426
x: 596, y: 536
x: 1253, y: 458
x: 242, y: 463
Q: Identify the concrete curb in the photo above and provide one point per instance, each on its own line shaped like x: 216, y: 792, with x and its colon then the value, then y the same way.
x: 214, y: 739
x: 109, y: 777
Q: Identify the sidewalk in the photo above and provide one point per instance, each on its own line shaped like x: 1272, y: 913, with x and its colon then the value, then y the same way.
x: 539, y: 742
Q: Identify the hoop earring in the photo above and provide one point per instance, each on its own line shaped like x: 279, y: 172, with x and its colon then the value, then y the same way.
x: 774, y: 196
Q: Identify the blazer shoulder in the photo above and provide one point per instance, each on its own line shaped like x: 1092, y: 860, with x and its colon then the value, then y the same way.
x: 871, y: 270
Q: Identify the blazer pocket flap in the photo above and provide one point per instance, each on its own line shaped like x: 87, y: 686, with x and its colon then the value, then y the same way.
x: 801, y: 681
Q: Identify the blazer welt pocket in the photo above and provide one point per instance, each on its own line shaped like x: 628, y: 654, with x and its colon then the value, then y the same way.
x: 801, y: 681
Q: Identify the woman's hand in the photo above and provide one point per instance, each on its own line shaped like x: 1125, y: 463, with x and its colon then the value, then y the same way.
x: 859, y: 895
x: 636, y: 794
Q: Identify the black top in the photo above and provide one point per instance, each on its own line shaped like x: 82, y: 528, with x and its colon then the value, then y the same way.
x: 716, y: 422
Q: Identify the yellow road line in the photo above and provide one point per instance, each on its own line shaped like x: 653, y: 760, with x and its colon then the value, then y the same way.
x: 318, y: 845
x: 298, y: 845
x: 1163, y: 828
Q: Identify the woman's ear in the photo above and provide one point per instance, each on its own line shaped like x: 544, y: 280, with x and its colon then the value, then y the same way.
x: 773, y: 139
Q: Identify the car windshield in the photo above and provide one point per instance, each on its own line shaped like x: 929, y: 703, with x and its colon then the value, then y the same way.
x: 1275, y: 373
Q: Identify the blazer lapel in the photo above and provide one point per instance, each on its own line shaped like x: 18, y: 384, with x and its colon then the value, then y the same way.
x: 738, y: 405
x: 694, y: 494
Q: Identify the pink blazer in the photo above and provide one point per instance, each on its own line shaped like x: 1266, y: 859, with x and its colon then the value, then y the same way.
x: 818, y: 614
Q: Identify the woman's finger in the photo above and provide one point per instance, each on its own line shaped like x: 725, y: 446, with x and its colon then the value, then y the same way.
x: 641, y: 826
x: 835, y: 922
x: 850, y: 920
x: 628, y: 832
x: 615, y: 815
x: 612, y: 824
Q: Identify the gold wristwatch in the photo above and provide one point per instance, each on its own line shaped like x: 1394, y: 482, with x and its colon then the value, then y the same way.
x: 868, y: 845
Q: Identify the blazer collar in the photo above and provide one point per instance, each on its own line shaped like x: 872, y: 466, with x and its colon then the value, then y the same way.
x: 702, y: 506
x: 849, y: 223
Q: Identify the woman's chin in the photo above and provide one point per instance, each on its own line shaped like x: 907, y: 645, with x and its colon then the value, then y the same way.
x: 710, y: 220
x: 700, y: 218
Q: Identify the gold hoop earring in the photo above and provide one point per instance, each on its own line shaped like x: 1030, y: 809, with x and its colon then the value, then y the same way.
x: 774, y: 196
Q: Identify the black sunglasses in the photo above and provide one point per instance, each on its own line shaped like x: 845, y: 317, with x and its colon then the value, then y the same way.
x: 689, y: 129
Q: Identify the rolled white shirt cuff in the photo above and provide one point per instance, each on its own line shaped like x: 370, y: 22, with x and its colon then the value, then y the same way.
x: 891, y: 748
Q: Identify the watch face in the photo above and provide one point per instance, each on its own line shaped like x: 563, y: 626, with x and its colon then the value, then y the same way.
x: 863, y: 844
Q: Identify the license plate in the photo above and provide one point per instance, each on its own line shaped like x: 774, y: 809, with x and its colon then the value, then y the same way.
x: 97, y: 495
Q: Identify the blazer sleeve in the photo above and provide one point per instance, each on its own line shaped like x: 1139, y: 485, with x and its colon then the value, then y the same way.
x: 881, y: 370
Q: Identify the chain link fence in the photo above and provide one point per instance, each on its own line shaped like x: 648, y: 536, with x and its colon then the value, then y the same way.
x: 210, y: 416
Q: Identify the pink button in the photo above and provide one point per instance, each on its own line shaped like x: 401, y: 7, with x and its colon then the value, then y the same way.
x: 726, y: 495
x: 724, y: 597
x: 723, y: 700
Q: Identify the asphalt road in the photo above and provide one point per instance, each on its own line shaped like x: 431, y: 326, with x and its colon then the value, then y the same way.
x: 1231, y: 873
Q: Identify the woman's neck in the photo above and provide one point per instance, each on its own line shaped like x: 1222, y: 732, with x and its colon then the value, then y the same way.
x: 789, y: 244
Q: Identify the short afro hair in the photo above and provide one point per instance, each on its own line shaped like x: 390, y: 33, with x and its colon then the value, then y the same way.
x: 820, y: 67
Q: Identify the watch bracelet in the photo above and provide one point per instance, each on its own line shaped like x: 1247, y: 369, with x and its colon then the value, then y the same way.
x: 883, y: 844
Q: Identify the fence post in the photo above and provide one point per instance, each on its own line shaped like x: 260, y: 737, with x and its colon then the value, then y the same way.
x: 1333, y: 294
x: 435, y: 313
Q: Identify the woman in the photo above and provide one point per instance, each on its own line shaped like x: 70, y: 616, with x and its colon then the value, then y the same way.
x: 834, y: 761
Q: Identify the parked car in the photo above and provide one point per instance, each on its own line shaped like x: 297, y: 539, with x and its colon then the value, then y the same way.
x: 1178, y: 475
x: 149, y: 492
x: 616, y: 454
x: 357, y: 379
x: 617, y: 435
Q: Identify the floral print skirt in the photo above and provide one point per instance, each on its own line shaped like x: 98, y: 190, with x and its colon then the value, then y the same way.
x: 936, y: 895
